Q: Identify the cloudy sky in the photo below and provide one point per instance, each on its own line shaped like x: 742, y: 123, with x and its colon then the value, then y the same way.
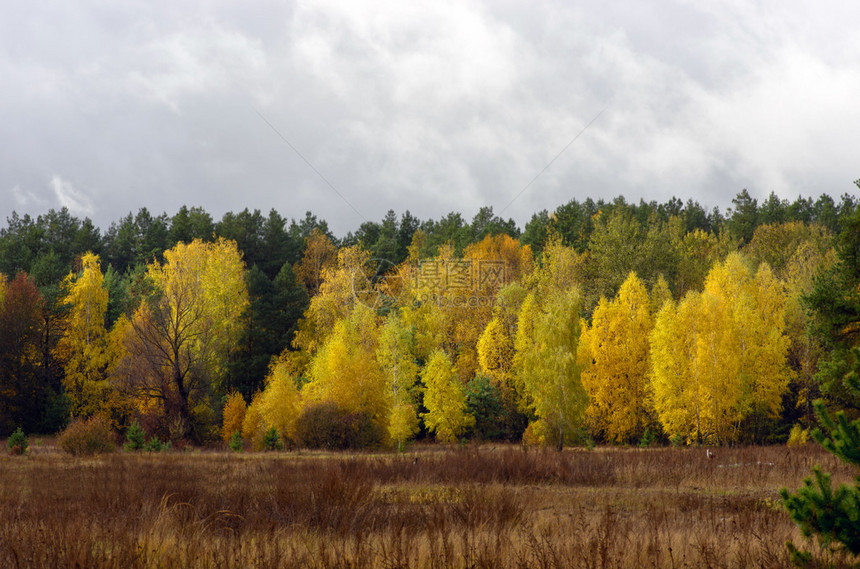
x: 449, y: 105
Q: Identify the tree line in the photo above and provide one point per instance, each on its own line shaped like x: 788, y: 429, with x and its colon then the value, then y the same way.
x: 600, y: 321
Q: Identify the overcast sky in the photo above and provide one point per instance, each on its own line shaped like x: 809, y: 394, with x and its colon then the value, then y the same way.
x: 449, y: 105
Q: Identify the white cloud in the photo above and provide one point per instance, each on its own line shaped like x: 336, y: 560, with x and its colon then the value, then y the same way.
x: 70, y: 197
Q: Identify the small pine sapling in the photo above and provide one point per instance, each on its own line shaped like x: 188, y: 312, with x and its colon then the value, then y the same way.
x: 647, y: 439
x: 135, y: 437
x: 236, y: 442
x: 272, y: 440
x: 155, y: 445
x: 18, y: 442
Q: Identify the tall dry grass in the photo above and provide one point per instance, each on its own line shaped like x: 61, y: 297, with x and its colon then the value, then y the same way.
x: 435, y: 508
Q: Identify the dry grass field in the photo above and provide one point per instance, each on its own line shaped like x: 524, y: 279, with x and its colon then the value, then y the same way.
x: 431, y: 507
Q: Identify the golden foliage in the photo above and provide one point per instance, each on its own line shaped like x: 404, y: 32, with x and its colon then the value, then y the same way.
x: 334, y: 301
x: 253, y: 425
x: 233, y: 416
x: 496, y: 352
x: 83, y: 346
x: 720, y: 356
x: 515, y: 258
x: 445, y: 399
x: 177, y: 343
x: 320, y: 257
x: 561, y: 268
x: 456, y: 296
x: 394, y: 355
x: 280, y: 403
x: 345, y: 370
x: 546, y: 369
x: 614, y: 351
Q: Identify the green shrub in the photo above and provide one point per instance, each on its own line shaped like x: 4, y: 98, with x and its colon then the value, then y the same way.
x: 647, y: 439
x: 136, y: 440
x: 93, y: 436
x: 236, y: 442
x: 326, y: 425
x: 272, y: 440
x: 18, y: 442
x: 135, y: 437
x: 155, y: 445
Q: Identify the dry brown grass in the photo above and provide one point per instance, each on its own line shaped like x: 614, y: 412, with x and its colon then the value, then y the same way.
x: 473, y: 507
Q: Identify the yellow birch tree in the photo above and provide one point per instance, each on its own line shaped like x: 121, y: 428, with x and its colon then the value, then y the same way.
x: 615, y: 351
x: 445, y: 399
x: 345, y: 371
x: 83, y: 346
x: 546, y: 366
x: 233, y: 416
x: 720, y: 358
x: 334, y: 301
x: 320, y: 256
x: 280, y: 403
x: 394, y: 354
x: 177, y: 345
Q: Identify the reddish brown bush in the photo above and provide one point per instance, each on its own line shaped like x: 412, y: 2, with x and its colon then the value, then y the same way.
x: 93, y: 436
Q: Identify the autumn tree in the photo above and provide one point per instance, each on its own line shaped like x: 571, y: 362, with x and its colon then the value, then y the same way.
x: 22, y: 391
x: 449, y: 284
x: 660, y: 295
x: 680, y: 395
x: 320, y: 256
x: 334, y: 301
x: 756, y: 303
x: 280, y: 403
x: 797, y: 252
x: 233, y: 415
x: 561, y: 268
x: 505, y: 259
x: 496, y: 352
x: 546, y: 368
x: 345, y: 371
x: 719, y: 357
x: 394, y: 354
x: 807, y: 348
x: 699, y: 252
x: 181, y: 335
x: 83, y: 346
x: 445, y: 399
x: 254, y: 425
x: 614, y: 351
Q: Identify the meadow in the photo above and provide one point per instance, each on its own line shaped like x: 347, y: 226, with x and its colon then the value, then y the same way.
x: 434, y: 507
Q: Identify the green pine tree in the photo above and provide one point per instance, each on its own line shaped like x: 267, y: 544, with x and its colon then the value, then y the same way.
x: 833, y: 515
